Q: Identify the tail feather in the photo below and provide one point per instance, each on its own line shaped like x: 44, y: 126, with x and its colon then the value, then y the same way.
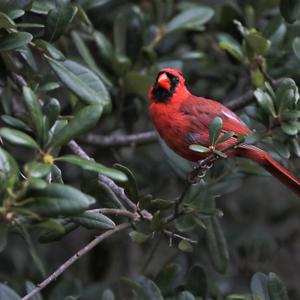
x: 272, y: 166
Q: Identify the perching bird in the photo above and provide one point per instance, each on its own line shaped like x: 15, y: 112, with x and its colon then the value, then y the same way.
x: 183, y: 119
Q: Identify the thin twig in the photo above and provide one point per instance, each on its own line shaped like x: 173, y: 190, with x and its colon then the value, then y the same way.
x: 74, y: 258
x: 104, y: 179
x: 121, y: 140
x: 179, y: 236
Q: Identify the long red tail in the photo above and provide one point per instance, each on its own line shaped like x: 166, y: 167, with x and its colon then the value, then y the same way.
x: 272, y: 166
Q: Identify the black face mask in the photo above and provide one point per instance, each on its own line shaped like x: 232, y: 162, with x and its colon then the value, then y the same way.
x: 162, y: 95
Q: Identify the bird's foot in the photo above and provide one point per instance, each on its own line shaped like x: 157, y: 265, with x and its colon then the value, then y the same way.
x: 199, y: 171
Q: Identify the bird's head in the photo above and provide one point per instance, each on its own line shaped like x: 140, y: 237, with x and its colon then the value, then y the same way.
x: 168, y: 83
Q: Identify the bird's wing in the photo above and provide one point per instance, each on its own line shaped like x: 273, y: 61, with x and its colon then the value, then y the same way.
x: 200, y: 112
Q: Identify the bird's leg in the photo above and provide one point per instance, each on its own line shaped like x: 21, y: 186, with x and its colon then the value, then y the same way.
x: 199, y: 171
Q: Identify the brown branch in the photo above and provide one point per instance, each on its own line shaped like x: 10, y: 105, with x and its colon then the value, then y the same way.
x: 102, y: 178
x: 121, y: 140
x: 74, y: 258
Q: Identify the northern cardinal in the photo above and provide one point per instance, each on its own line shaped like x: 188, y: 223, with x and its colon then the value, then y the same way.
x: 183, y: 119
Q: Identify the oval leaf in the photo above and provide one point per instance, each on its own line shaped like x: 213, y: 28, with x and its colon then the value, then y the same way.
x: 216, y: 243
x: 19, y: 138
x: 215, y: 128
x: 91, y: 165
x: 14, y: 40
x: 81, y: 81
x: 84, y: 120
x: 57, y: 200
x: 94, y: 220
x: 190, y: 19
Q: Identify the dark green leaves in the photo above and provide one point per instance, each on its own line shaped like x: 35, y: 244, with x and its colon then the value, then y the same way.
x: 81, y: 81
x: 94, y: 220
x: 216, y: 243
x: 215, y: 128
x: 290, y: 10
x: 91, y: 165
x: 18, y: 138
x: 84, y: 120
x: 138, y: 237
x: 58, y: 20
x: 8, y: 170
x: 14, y: 40
x: 269, y: 287
x: 191, y: 19
x: 34, y: 110
x: 265, y: 101
x: 57, y: 200
x: 144, y: 288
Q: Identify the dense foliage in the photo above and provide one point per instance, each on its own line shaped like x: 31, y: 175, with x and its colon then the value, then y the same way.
x: 79, y: 158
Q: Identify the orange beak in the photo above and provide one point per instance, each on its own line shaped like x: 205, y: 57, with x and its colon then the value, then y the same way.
x: 163, y: 81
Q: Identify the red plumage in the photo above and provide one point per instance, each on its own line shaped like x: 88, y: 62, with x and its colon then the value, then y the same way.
x: 183, y: 119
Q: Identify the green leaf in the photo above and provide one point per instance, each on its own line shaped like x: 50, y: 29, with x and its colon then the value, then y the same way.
x: 107, y: 295
x: 51, y: 109
x: 14, y: 122
x: 91, y: 165
x: 52, y: 236
x: 185, y: 295
x: 216, y: 244
x: 19, y: 138
x: 257, y: 42
x: 215, y: 128
x: 190, y: 19
x: 290, y: 10
x: 14, y: 40
x: 58, y: 20
x: 199, y: 148
x: 57, y: 200
x: 287, y: 94
x: 88, y: 58
x: 225, y: 137
x: 138, y: 237
x: 6, y: 22
x: 94, y: 220
x: 144, y: 288
x: 290, y: 128
x: 296, y: 46
x: 185, y: 246
x: 276, y: 288
x: 37, y: 169
x: 104, y: 47
x: 50, y: 49
x: 265, y: 102
x: 259, y: 285
x: 9, y: 171
x: 34, y: 109
x: 233, y: 47
x: 7, y: 293
x: 83, y: 121
x: 81, y: 81
x: 131, y: 185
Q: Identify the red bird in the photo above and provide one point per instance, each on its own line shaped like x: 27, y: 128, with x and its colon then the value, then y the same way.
x: 183, y: 119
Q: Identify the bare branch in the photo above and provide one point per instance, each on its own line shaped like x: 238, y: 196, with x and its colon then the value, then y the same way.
x: 74, y: 258
x: 179, y: 236
x: 121, y: 140
x: 104, y: 179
